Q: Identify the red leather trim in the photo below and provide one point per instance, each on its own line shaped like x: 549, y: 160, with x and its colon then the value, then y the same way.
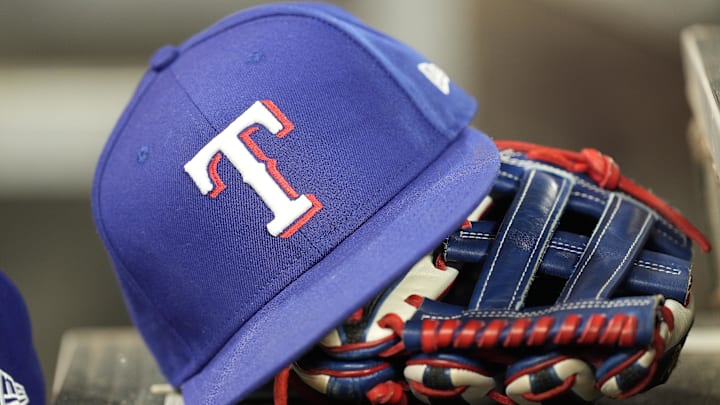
x: 447, y: 364
x: 500, y: 398
x: 516, y: 335
x: 537, y: 367
x: 592, y: 329
x: 280, y: 386
x: 348, y: 347
x: 668, y: 317
x: 490, y: 336
x: 466, y: 336
x: 389, y: 392
x: 347, y: 373
x: 540, y: 331
x: 446, y: 332
x: 613, y: 329
x: 394, y: 322
x: 628, y: 333
x: 435, y: 393
x: 566, y: 333
x: 428, y: 344
x: 551, y: 393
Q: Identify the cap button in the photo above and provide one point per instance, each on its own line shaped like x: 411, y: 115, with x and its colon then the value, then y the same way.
x: 163, y: 57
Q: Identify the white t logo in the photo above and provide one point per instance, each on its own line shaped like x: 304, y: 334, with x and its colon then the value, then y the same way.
x: 291, y: 210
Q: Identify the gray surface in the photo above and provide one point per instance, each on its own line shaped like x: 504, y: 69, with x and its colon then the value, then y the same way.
x: 106, y: 366
x: 701, y: 58
x: 112, y: 366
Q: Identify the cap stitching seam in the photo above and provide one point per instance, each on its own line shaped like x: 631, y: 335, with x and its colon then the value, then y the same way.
x: 103, y: 232
x: 347, y: 36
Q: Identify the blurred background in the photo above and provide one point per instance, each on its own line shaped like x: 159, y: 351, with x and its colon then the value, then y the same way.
x: 566, y: 73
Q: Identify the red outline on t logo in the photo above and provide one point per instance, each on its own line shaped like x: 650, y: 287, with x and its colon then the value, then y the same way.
x: 291, y: 210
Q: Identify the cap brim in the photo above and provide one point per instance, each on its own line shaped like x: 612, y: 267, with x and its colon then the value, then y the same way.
x: 384, y: 248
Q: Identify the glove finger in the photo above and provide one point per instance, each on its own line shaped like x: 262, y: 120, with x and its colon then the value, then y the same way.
x: 446, y: 376
x: 628, y: 373
x: 349, y: 380
x: 679, y: 319
x: 553, y: 376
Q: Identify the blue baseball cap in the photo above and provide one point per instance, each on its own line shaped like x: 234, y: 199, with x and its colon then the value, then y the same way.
x: 269, y: 176
x: 21, y: 380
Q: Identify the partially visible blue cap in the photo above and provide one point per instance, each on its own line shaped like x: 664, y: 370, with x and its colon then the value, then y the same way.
x: 269, y: 176
x: 21, y: 380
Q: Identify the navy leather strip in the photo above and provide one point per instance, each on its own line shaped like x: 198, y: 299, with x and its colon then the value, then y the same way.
x: 651, y: 272
x: 521, y: 241
x: 619, y: 236
x: 642, y: 308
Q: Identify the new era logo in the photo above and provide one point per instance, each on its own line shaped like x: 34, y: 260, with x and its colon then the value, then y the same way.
x: 11, y: 392
x: 436, y: 76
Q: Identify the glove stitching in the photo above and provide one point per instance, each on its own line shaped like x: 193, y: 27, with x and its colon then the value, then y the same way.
x: 589, y: 197
x: 564, y: 249
x: 669, y: 237
x: 678, y: 238
x: 554, y: 218
x: 520, y: 163
x: 578, y: 273
x: 658, y: 267
x: 660, y: 232
x: 510, y: 176
x: 620, y: 303
x: 502, y: 240
x: 567, y: 247
x: 638, y: 236
x: 476, y: 235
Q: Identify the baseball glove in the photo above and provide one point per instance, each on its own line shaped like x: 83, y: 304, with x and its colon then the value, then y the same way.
x: 568, y: 283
